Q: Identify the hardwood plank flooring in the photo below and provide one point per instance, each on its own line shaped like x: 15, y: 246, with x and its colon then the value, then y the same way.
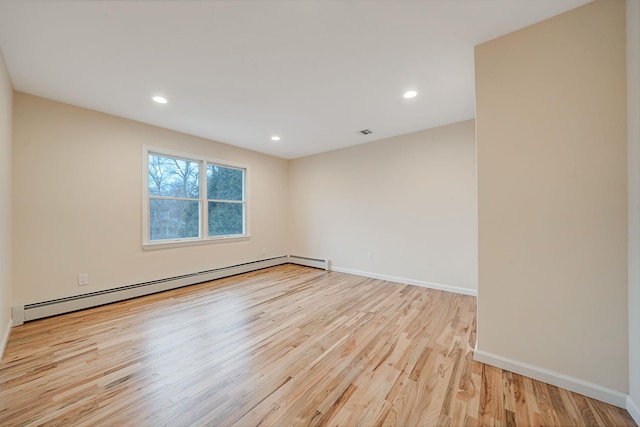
x: 285, y: 346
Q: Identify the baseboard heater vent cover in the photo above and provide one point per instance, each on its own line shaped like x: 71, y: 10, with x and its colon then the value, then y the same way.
x: 309, y: 262
x: 93, y: 299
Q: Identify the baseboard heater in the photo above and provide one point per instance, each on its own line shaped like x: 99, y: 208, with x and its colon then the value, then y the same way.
x: 40, y: 310
x: 309, y: 262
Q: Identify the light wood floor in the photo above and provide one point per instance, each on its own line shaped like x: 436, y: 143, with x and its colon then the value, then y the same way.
x: 284, y: 346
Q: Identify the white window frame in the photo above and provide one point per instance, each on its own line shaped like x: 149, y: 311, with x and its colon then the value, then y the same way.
x: 204, y: 238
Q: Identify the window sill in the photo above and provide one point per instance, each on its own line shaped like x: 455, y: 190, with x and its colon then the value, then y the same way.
x: 168, y: 244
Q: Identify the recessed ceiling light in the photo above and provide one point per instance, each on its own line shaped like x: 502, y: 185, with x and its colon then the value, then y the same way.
x: 410, y: 94
x: 275, y: 138
x: 160, y: 99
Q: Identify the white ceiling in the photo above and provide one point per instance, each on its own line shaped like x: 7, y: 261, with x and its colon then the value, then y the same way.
x: 313, y: 72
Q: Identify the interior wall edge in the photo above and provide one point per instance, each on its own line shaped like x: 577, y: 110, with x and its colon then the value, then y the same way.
x: 5, y: 337
x: 6, y: 206
x: 633, y: 178
x: 633, y: 409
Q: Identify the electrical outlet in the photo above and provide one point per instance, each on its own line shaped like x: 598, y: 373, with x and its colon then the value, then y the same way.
x: 83, y: 279
x: 264, y: 252
x: 369, y: 255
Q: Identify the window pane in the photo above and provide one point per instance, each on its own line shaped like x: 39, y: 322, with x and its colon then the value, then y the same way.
x: 225, y: 218
x: 173, y: 177
x: 173, y: 219
x: 224, y: 183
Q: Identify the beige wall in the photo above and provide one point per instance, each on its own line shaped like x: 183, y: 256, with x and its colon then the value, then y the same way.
x: 552, y: 195
x: 633, y: 125
x: 77, y: 202
x: 6, y: 95
x: 410, y: 200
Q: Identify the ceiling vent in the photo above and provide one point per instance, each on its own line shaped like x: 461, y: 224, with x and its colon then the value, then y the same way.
x: 365, y: 132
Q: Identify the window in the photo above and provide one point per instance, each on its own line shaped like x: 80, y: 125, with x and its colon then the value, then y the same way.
x: 189, y: 199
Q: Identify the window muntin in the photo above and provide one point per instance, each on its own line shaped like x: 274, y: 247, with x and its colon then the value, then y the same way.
x: 191, y: 199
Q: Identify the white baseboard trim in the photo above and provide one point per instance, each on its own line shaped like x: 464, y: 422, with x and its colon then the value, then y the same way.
x: 557, y: 379
x: 633, y: 409
x: 5, y: 337
x: 438, y: 286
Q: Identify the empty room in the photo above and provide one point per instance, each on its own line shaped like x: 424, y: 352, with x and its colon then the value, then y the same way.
x: 341, y: 213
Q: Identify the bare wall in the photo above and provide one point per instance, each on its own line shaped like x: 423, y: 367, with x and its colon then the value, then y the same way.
x: 409, y: 200
x: 78, y: 202
x: 6, y: 107
x: 552, y: 195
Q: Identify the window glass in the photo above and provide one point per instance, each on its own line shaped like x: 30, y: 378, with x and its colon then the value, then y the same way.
x: 173, y: 177
x: 225, y: 219
x: 173, y: 219
x: 224, y: 183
